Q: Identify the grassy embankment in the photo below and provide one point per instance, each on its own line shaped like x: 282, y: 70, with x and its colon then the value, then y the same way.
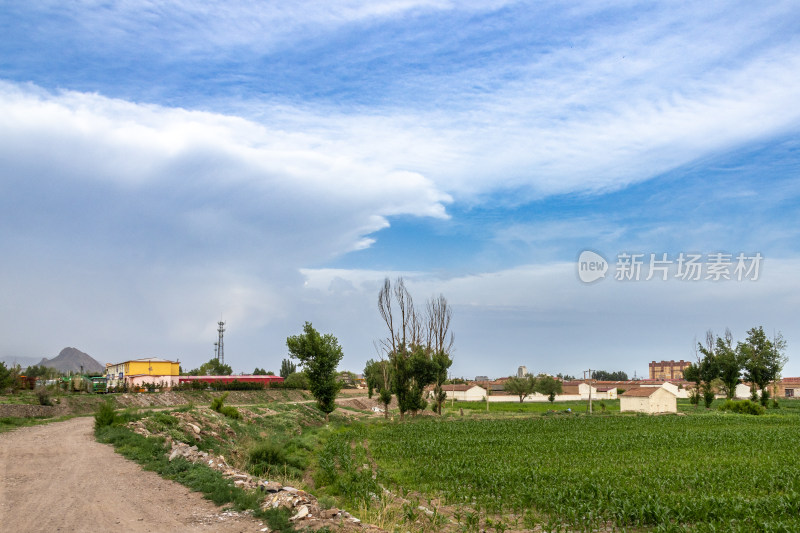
x: 274, y: 439
x: 540, y: 467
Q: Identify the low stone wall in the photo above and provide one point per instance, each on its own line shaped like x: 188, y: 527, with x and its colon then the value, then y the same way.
x: 25, y: 411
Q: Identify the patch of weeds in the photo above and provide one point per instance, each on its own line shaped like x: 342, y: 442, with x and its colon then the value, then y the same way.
x: 272, y: 456
x: 43, y: 396
x: 276, y: 519
x: 326, y: 502
x: 184, y: 409
x: 105, y: 415
x: 160, y: 422
x: 217, y: 404
x: 8, y: 423
x: 342, y: 469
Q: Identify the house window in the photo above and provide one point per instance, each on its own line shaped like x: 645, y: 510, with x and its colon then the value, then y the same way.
x: 790, y: 393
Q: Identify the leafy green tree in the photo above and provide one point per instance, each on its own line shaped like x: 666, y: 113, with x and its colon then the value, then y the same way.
x: 378, y: 375
x: 287, y: 367
x: 729, y: 360
x: 319, y: 355
x: 385, y: 396
x: 296, y: 380
x: 259, y: 372
x: 441, y: 364
x: 708, y: 368
x: 548, y: 386
x: 6, y: 377
x: 709, y: 371
x: 212, y: 368
x: 603, y: 375
x: 36, y: 371
x: 763, y: 359
x: 692, y: 373
x: 522, y: 387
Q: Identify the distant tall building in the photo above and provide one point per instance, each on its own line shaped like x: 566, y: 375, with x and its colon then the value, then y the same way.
x: 522, y: 371
x: 668, y: 370
x: 481, y: 378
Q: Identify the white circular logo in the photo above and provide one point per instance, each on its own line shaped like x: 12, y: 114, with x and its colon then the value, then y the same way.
x: 591, y: 266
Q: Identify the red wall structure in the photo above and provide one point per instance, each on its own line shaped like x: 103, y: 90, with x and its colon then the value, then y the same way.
x: 265, y: 380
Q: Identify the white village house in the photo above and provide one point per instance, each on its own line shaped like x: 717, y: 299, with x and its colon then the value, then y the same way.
x: 650, y: 400
x: 463, y: 393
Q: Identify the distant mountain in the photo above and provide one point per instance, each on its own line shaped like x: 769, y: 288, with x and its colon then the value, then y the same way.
x: 71, y: 360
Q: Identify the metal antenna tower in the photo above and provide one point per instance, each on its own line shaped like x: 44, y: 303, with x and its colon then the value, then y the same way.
x: 219, y: 343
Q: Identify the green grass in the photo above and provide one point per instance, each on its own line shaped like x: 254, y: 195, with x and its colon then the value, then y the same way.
x: 8, y: 423
x: 531, y: 407
x: 671, y: 473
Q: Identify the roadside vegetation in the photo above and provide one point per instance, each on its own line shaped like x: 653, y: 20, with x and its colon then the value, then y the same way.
x: 525, y: 466
x: 221, y: 434
x: 8, y: 423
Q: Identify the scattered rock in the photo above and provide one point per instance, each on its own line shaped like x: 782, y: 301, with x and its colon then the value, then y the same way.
x: 270, y: 486
x: 302, y: 512
x: 304, y: 505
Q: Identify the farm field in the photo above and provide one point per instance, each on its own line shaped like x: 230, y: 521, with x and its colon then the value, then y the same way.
x: 705, y: 472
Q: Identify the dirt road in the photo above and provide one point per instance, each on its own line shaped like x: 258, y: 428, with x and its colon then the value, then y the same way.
x: 56, y: 477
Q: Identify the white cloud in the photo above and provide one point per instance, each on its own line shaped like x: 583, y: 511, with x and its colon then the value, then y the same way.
x: 289, y: 180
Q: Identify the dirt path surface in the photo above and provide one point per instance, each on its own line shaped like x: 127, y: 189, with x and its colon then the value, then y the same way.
x: 56, y: 477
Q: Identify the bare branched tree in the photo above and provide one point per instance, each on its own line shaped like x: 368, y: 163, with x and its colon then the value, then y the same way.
x: 385, y: 308
x: 407, y: 328
x: 710, y: 341
x: 438, y: 315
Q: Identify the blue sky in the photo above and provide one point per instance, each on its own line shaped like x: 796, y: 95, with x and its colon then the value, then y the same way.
x: 165, y: 165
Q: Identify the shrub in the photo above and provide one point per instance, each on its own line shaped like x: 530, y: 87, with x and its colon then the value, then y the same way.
x: 217, y: 404
x: 746, y: 407
x: 105, y: 415
x: 296, y: 380
x: 43, y: 395
x: 271, y: 456
x: 230, y: 412
x: 764, y: 397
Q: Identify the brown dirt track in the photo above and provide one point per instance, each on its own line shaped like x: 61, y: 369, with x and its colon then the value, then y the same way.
x: 56, y: 477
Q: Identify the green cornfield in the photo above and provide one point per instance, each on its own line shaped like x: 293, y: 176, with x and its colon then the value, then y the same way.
x: 712, y: 472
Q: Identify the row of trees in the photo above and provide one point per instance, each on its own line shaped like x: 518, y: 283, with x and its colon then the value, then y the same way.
x: 603, y: 375
x: 543, y: 384
x: 757, y: 359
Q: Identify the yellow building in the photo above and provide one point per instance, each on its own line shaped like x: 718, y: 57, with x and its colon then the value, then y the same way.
x: 136, y: 372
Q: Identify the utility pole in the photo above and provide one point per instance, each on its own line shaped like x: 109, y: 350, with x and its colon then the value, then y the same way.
x: 590, y: 387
